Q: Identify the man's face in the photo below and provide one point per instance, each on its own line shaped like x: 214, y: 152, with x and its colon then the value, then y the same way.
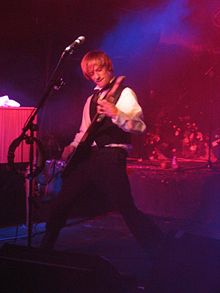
x: 100, y: 74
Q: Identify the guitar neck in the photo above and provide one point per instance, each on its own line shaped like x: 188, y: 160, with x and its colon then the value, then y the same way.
x: 110, y: 96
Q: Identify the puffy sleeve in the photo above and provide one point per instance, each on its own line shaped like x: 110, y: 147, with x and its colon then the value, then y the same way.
x: 130, y: 113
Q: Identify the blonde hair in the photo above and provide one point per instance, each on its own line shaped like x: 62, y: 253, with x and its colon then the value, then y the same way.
x: 93, y: 58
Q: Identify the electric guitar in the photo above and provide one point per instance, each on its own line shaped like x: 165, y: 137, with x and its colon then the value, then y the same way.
x: 82, y: 150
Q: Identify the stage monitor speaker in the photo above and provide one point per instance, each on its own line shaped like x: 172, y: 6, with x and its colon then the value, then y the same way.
x: 33, y: 270
x: 12, y: 196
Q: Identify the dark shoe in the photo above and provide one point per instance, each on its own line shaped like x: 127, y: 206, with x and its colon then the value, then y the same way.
x: 48, y: 240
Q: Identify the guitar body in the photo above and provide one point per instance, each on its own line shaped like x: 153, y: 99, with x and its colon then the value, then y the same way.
x: 83, y: 149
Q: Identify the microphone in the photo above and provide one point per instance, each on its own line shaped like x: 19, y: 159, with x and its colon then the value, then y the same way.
x: 80, y: 40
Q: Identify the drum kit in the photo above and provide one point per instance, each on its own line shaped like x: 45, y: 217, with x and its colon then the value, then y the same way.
x: 179, y: 138
x: 182, y: 138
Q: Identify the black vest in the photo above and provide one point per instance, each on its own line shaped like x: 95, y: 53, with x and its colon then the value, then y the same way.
x: 108, y: 132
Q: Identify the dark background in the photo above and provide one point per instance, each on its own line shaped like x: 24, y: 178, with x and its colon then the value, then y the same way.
x: 168, y: 50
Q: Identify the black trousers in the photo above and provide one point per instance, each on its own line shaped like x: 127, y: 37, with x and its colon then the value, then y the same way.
x: 104, y: 170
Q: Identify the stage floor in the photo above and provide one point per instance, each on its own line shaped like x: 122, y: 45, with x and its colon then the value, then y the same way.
x: 190, y: 264
x: 186, y: 201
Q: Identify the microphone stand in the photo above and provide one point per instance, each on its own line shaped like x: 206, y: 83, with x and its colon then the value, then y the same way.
x: 55, y: 83
x: 211, y: 75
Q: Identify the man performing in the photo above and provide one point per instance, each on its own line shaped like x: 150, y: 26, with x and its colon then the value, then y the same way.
x: 103, y: 167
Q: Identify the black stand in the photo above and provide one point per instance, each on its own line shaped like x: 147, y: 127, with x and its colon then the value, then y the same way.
x: 55, y: 83
x: 210, y: 74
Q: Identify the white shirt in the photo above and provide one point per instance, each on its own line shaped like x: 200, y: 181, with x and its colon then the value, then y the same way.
x: 129, y: 116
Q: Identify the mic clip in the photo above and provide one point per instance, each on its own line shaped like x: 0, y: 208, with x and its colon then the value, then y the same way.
x: 58, y: 84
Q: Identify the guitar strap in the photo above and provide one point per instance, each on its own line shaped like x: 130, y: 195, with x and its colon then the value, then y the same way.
x: 93, y: 104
